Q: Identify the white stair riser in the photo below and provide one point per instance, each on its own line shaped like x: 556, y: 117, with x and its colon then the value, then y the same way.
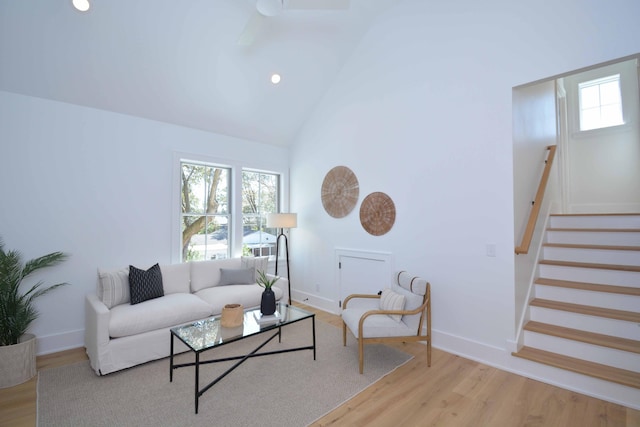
x: 590, y: 275
x: 598, y: 256
x: 610, y: 238
x: 591, y: 298
x: 594, y: 353
x: 583, y: 322
x: 596, y: 221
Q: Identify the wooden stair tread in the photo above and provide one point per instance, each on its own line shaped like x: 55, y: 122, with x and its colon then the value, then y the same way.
x: 596, y: 247
x: 624, y: 290
x: 617, y: 267
x: 596, y: 370
x: 618, y: 343
x: 609, y: 313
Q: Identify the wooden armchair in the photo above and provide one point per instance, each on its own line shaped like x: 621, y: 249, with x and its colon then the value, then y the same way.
x: 371, y: 320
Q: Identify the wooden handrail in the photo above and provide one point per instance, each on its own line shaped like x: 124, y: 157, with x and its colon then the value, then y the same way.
x: 537, y: 203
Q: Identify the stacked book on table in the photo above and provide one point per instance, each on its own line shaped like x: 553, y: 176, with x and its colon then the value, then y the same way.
x: 268, y: 319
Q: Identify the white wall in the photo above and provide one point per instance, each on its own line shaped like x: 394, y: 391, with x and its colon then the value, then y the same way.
x: 97, y: 185
x: 423, y: 112
x: 534, y: 129
x: 604, y: 164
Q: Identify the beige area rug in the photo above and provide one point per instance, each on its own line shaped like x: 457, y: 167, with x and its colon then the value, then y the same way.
x: 285, y: 389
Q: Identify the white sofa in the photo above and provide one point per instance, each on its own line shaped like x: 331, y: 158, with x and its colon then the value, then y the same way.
x: 119, y: 334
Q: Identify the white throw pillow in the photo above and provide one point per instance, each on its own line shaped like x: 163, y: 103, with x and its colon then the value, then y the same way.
x: 390, y: 300
x: 114, y: 287
x: 259, y: 263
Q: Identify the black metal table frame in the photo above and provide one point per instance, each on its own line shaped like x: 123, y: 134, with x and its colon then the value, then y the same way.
x: 241, y: 358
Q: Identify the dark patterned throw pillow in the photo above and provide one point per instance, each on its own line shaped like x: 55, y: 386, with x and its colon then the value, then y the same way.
x: 145, y: 285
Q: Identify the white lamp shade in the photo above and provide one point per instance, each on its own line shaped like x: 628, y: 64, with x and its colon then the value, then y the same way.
x: 282, y: 220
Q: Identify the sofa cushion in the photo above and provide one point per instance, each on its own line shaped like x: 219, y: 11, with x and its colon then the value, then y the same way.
x: 113, y: 287
x: 145, y: 284
x: 168, y: 311
x: 247, y: 295
x: 205, y: 274
x: 176, y: 278
x: 390, y: 300
x: 237, y: 276
x: 259, y: 263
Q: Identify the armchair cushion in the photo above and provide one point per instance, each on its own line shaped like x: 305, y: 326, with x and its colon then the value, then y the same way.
x: 390, y: 300
x: 377, y: 325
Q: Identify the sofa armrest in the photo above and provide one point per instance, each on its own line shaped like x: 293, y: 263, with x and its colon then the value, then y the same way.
x: 96, y: 329
x: 283, y: 284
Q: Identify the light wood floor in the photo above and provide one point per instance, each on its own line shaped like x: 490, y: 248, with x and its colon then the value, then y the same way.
x: 452, y: 392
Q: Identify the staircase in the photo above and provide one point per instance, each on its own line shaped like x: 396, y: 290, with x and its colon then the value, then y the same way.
x: 585, y: 311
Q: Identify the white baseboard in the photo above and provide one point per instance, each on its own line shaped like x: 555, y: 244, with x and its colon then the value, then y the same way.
x: 501, y: 358
x: 315, y: 301
x: 59, y: 342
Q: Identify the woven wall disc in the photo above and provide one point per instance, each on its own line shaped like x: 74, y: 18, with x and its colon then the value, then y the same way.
x: 340, y: 191
x: 377, y: 213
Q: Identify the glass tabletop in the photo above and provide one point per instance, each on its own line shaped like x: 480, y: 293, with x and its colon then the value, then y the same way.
x: 208, y: 333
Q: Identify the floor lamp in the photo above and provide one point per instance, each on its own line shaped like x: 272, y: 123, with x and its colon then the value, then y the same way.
x: 282, y: 221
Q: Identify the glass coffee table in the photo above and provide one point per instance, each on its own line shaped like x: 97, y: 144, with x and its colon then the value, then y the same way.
x: 208, y: 334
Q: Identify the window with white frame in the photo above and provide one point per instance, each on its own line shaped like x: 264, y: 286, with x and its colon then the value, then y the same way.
x: 260, y: 196
x: 600, y: 103
x: 218, y: 218
x: 205, y: 214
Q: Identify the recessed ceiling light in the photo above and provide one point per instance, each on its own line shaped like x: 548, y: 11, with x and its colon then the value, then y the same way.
x: 81, y: 5
x: 275, y: 78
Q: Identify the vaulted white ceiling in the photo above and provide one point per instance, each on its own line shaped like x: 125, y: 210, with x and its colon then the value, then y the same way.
x: 179, y: 61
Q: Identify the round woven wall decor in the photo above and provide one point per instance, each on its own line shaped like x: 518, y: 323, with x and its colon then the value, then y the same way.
x: 377, y: 213
x: 340, y: 191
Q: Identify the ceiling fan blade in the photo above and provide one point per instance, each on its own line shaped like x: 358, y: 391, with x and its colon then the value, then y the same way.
x: 269, y: 7
x: 316, y: 4
x: 251, y: 29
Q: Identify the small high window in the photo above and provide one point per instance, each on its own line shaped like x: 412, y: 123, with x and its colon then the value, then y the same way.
x: 600, y: 103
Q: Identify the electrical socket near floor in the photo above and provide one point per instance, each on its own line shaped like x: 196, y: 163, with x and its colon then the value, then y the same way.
x: 491, y: 249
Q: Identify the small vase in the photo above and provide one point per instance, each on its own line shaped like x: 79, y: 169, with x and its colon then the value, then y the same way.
x: 232, y: 315
x: 268, y: 303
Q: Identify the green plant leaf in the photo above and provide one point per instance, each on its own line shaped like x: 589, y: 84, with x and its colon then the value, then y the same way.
x: 264, y: 281
x: 17, y: 310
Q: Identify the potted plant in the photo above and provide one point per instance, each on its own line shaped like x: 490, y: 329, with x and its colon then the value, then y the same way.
x: 17, y: 311
x: 268, y: 302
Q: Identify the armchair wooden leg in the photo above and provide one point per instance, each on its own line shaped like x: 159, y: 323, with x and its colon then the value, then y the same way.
x: 361, y: 354
x: 344, y: 334
x: 429, y: 352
